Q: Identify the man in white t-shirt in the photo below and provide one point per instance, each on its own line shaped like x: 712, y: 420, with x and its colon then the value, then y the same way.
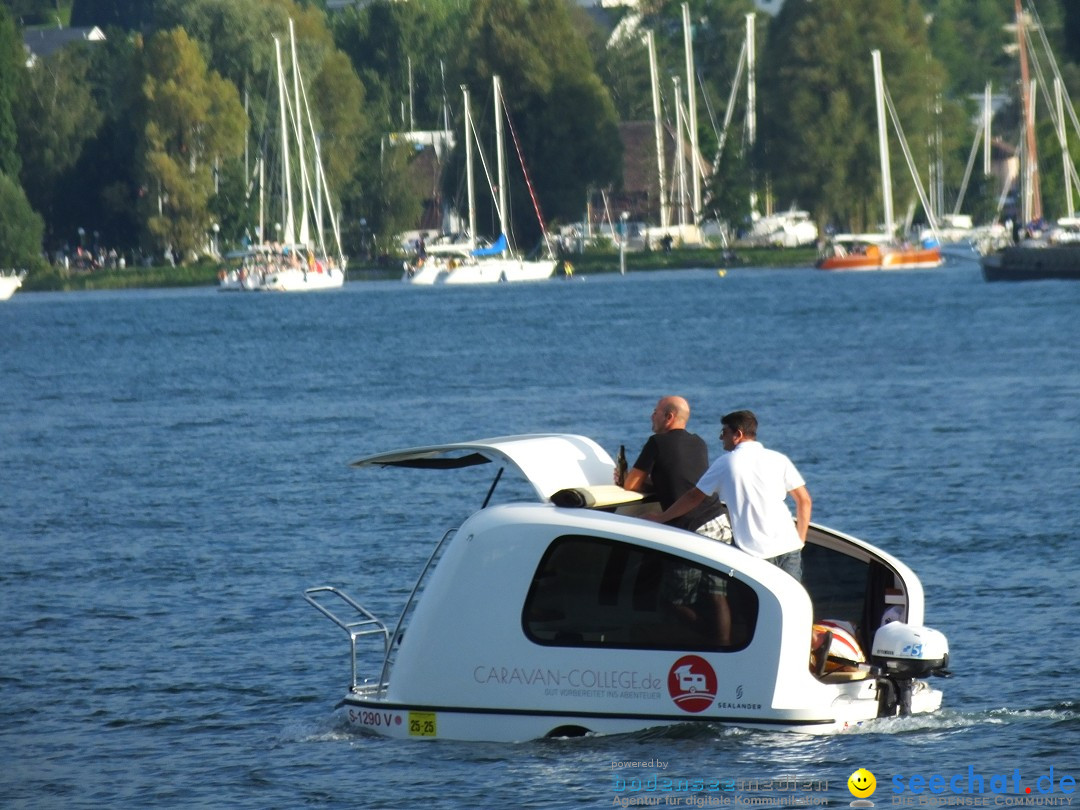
x: 754, y: 482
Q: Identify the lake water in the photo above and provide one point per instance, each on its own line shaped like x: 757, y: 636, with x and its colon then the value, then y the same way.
x: 174, y: 472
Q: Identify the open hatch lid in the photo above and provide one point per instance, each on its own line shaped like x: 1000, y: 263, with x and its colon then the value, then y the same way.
x: 549, y: 461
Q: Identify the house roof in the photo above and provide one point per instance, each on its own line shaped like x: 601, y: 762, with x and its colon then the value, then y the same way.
x: 43, y: 42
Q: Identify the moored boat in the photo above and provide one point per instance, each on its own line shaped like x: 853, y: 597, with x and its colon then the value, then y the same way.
x: 1033, y: 262
x: 9, y: 283
x: 559, y: 618
x: 872, y: 252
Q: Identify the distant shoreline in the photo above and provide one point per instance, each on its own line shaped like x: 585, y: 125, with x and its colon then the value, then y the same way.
x: 205, y: 273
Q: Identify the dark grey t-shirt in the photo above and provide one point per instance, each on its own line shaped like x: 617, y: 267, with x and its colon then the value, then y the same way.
x: 676, y: 460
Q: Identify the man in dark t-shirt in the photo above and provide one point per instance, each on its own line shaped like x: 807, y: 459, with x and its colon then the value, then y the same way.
x: 672, y: 462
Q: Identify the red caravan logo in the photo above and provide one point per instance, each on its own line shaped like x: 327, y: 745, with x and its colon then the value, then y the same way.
x: 692, y: 683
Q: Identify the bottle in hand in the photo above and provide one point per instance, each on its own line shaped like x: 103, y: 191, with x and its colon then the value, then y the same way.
x: 620, y: 466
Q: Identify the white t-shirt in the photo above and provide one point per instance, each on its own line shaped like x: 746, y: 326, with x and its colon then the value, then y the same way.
x: 754, y: 482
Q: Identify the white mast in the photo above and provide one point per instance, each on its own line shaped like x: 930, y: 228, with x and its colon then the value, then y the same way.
x: 751, y: 103
x: 665, y: 212
x: 262, y: 200
x: 469, y: 168
x: 500, y: 157
x: 680, y: 159
x: 987, y: 116
x: 305, y: 231
x: 751, y: 83
x: 288, y: 234
x: 1059, y: 95
x: 692, y: 105
x: 883, y: 144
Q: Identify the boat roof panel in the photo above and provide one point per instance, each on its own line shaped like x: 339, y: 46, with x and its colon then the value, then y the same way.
x: 549, y: 461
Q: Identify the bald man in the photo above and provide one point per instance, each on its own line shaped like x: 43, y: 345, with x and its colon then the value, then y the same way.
x: 671, y: 463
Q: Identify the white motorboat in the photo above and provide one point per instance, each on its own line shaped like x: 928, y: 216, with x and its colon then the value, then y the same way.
x: 792, y: 228
x: 9, y: 283
x: 555, y: 619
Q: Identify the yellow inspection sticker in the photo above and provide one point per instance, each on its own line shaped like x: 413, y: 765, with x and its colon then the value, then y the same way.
x: 422, y: 724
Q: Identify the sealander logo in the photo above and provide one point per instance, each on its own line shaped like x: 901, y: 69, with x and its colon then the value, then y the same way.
x: 692, y: 683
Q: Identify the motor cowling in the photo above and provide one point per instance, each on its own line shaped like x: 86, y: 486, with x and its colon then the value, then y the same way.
x: 909, y: 651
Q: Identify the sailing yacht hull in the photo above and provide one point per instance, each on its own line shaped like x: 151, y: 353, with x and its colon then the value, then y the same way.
x: 1023, y: 263
x: 299, y: 280
x: 492, y: 271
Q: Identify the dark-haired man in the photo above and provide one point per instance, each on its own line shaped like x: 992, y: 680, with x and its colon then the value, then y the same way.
x: 754, y: 482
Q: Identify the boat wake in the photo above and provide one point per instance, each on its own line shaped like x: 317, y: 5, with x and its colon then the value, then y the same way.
x: 1066, y: 712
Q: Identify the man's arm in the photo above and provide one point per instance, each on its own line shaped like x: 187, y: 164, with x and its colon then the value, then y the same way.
x: 687, y: 502
x: 636, y: 480
x: 803, y: 506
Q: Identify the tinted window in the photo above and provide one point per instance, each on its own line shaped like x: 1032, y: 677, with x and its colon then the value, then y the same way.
x: 592, y: 592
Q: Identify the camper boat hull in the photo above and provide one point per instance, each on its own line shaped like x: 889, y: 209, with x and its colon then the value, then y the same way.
x: 540, y: 620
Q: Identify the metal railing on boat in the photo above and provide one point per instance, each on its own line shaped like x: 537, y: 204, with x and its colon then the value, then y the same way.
x: 367, y: 625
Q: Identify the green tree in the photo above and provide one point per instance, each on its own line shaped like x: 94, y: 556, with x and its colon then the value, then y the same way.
x: 563, y: 118
x: 819, y: 138
x: 57, y: 117
x: 20, y: 227
x: 192, y: 117
x: 127, y: 14
x: 12, y: 72
x: 969, y: 39
x: 238, y: 38
x: 389, y: 201
x: 382, y: 39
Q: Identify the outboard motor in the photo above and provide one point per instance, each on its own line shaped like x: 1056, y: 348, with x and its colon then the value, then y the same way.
x: 903, y: 652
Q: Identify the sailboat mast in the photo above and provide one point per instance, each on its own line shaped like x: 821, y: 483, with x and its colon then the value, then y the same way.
x: 751, y: 105
x: 691, y: 97
x: 1059, y: 98
x: 286, y: 184
x: 883, y: 144
x: 499, y: 150
x: 654, y: 78
x: 304, y: 235
x: 751, y: 83
x: 469, y: 168
x: 1031, y: 171
x: 680, y: 159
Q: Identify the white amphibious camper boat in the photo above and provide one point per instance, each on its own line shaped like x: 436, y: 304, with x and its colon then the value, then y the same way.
x: 572, y: 616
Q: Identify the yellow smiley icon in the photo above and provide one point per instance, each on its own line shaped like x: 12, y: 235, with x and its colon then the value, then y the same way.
x: 862, y: 783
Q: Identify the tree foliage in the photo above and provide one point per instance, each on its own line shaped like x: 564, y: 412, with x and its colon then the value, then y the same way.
x: 819, y: 126
x: 563, y: 118
x: 238, y: 39
x: 124, y: 14
x: 11, y: 74
x: 193, y: 118
x: 20, y: 227
x: 58, y: 116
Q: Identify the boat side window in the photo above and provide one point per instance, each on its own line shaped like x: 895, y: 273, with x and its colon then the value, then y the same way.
x: 843, y: 588
x: 596, y: 592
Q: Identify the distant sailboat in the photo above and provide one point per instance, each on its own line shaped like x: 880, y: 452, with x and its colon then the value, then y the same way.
x: 301, y: 261
x: 881, y: 251
x: 468, y: 263
x: 1055, y: 255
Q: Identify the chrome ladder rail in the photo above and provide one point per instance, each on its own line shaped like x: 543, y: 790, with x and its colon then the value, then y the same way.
x: 367, y: 625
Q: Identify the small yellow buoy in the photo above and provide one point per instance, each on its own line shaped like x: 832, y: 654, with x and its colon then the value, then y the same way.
x: 721, y: 273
